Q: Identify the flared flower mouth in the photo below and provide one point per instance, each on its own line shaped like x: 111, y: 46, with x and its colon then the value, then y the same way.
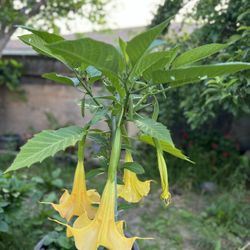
x: 133, y: 189
x: 80, y: 201
x: 103, y: 230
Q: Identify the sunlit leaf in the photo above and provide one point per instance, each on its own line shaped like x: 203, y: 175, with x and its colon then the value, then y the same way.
x: 149, y: 60
x: 137, y: 46
x: 162, y: 63
x: 154, y: 129
x: 45, y: 144
x: 165, y: 146
x: 72, y: 81
x: 46, y: 36
x: 101, y: 55
x: 39, y: 45
x: 197, y: 54
x: 178, y: 77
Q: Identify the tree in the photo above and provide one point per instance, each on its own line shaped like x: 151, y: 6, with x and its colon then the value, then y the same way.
x: 167, y: 10
x: 44, y: 13
x: 225, y: 98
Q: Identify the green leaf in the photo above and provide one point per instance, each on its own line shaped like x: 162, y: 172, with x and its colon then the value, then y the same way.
x: 151, y: 59
x: 72, y: 81
x: 93, y: 74
x: 163, y: 63
x: 95, y: 172
x: 39, y: 45
x: 197, y: 54
x: 46, y: 144
x: 47, y: 37
x: 165, y: 146
x: 101, y: 55
x: 99, y: 115
x: 137, y: 46
x: 134, y: 167
x: 153, y: 128
x: 156, y: 43
x: 178, y: 77
x: 39, y: 39
x: 123, y: 46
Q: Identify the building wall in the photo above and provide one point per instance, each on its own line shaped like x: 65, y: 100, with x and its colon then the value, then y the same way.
x: 18, y: 116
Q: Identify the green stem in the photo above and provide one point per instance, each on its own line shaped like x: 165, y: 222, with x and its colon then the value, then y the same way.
x: 80, y: 153
x: 115, y: 153
x: 87, y: 89
x: 157, y: 144
x: 141, y: 101
x: 125, y: 134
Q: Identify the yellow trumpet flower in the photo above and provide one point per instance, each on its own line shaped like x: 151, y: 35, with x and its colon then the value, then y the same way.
x: 103, y: 230
x: 80, y: 200
x: 165, y: 195
x: 133, y: 189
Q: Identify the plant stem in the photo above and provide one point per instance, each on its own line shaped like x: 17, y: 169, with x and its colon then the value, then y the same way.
x: 80, y: 152
x: 87, y: 89
x: 114, y: 158
x: 115, y: 150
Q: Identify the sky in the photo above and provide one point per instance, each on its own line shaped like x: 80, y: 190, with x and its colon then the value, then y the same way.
x: 120, y: 14
x: 125, y: 14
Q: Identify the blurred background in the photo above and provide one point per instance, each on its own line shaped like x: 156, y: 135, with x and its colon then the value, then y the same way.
x: 209, y: 121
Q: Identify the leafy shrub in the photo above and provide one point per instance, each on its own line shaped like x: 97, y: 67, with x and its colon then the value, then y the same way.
x: 228, y: 97
x: 23, y: 220
x: 10, y: 74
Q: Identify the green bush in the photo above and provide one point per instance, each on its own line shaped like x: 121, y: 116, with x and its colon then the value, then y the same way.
x: 10, y: 74
x: 23, y: 220
x: 205, y: 104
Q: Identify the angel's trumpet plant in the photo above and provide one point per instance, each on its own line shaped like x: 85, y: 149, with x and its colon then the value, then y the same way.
x: 81, y: 200
x: 103, y: 230
x: 131, y: 77
x: 165, y: 195
x: 133, y: 189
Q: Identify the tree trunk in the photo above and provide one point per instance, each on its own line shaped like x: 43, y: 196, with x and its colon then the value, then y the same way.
x: 4, y: 39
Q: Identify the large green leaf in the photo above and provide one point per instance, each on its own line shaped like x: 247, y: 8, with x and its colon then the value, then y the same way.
x: 101, y: 55
x: 165, y: 146
x: 153, y: 128
x: 137, y: 46
x: 39, y: 45
x: 151, y: 59
x: 46, y: 144
x: 162, y: 63
x: 197, y: 54
x: 47, y: 37
x: 178, y: 77
x: 71, y: 81
x: 39, y: 39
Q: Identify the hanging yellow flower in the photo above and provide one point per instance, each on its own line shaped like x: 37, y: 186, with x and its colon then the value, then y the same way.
x: 103, y: 230
x: 133, y: 189
x: 80, y: 200
x: 165, y: 195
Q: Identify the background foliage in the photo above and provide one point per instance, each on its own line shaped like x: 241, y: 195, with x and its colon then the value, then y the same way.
x: 45, y: 14
x: 10, y: 74
x: 224, y: 97
x: 201, y: 115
